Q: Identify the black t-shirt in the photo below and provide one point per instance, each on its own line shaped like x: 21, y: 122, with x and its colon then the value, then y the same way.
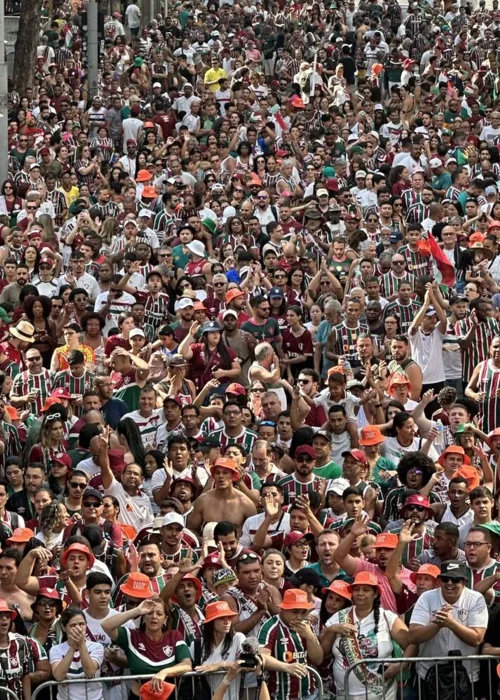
x: 349, y: 69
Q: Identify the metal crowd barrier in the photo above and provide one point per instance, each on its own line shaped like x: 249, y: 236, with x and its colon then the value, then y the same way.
x: 7, y: 693
x: 124, y: 686
x: 416, y: 688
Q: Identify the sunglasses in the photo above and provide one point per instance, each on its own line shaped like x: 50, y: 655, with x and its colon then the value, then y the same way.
x: 448, y: 579
x: 257, y: 391
x: 91, y: 504
x: 419, y: 509
x: 304, y: 381
x: 304, y: 458
x: 75, y: 485
x: 248, y: 556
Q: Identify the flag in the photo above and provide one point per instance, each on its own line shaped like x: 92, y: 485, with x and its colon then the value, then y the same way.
x: 446, y: 270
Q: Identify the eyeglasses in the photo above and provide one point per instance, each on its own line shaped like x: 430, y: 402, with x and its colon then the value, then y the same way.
x: 302, y: 545
x: 475, y: 545
x: 75, y: 485
x: 47, y: 603
x: 91, y: 504
x: 304, y: 458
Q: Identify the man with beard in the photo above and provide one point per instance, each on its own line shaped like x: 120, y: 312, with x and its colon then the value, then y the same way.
x: 149, y: 560
x: 384, y: 545
x: 302, y: 481
x: 326, y: 568
x: 448, y: 618
x: 416, y: 510
x: 12, y: 291
x: 186, y: 589
x: 402, y: 363
x: 484, y: 388
x: 273, y: 520
x: 251, y: 599
x: 112, y: 408
x: 184, y: 490
x: 228, y: 502
x: 475, y: 335
x: 236, y: 301
x: 481, y: 568
x: 172, y: 547
x: 184, y: 308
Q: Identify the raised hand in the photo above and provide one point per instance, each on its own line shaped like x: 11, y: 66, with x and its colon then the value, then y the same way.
x: 271, y: 509
x: 406, y: 535
x: 359, y: 527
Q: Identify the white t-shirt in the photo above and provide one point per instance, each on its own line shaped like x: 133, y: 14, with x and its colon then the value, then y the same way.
x: 427, y: 352
x: 159, y: 476
x: 233, y: 691
x: 252, y: 524
x: 86, y: 282
x: 85, y: 691
x: 135, y: 511
x: 381, y: 646
x: 120, y: 305
x: 133, y: 16
x: 393, y: 450
x: 470, y: 609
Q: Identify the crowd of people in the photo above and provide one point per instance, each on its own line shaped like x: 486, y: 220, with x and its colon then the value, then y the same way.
x: 250, y: 354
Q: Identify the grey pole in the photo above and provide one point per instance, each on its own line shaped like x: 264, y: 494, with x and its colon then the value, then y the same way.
x: 4, y: 91
x: 92, y: 47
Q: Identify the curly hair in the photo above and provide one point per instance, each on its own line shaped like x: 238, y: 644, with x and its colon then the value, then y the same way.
x: 49, y: 517
x: 29, y: 302
x: 415, y: 460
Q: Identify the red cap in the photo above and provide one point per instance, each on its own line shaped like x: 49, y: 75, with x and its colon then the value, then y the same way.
x: 63, y: 458
x: 305, y: 450
x: 61, y: 393
x: 295, y: 536
x: 236, y: 389
x: 21, y: 535
x: 358, y: 455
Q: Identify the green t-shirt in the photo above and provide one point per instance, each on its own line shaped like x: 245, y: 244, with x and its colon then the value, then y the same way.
x: 146, y: 657
x: 331, y: 470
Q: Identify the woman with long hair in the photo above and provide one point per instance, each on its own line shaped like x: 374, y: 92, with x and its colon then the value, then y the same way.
x: 210, y: 358
x: 219, y: 647
x: 130, y: 440
x: 153, y: 460
x: 364, y: 631
x: 52, y: 442
x: 37, y: 310
x: 10, y: 203
x: 399, y: 180
x: 31, y: 258
x: 76, y: 657
x: 47, y: 628
x: 172, y: 657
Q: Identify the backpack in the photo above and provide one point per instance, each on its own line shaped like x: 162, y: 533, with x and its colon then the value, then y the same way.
x: 448, y: 681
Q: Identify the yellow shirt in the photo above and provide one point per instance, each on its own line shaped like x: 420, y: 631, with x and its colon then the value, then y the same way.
x: 214, y: 74
x: 70, y: 196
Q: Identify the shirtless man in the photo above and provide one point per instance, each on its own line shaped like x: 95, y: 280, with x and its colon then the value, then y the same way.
x: 224, y: 502
x: 9, y: 561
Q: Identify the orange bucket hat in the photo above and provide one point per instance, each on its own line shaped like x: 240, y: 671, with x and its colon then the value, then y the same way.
x: 295, y: 599
x: 137, y: 586
x: 218, y: 608
x: 340, y: 588
x: 365, y: 578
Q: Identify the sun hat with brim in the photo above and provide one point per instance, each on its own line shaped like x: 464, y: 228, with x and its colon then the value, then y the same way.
x: 365, y: 578
x: 371, y: 435
x: 340, y: 588
x: 197, y: 248
x: 23, y: 331
x: 210, y: 225
x: 21, y: 535
x: 51, y: 594
x: 147, y: 693
x: 295, y: 599
x: 225, y: 463
x: 425, y: 570
x: 4, y: 607
x: 454, y: 450
x: 143, y: 176
x: 234, y: 294
x: 479, y: 246
x: 399, y: 378
x: 295, y: 536
x: 149, y: 192
x: 386, y: 540
x: 137, y: 586
x: 493, y: 224
x: 81, y: 549
x: 216, y: 609
x: 12, y: 412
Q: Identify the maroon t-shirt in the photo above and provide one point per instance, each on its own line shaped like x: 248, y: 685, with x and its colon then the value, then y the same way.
x: 201, y: 365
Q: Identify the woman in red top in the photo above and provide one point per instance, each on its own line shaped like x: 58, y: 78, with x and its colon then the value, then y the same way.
x: 52, y: 443
x: 297, y: 344
x: 211, y: 358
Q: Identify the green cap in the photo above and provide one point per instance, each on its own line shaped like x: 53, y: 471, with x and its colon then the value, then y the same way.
x: 463, y: 428
x: 328, y: 171
x: 492, y: 526
x: 210, y: 224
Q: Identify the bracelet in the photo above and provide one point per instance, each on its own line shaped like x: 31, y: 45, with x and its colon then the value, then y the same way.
x: 377, y: 405
x: 226, y: 682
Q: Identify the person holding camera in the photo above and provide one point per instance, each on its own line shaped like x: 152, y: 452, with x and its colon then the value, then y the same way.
x: 288, y: 645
